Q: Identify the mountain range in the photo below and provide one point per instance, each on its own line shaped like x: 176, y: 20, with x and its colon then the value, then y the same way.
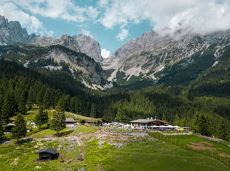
x: 179, y: 58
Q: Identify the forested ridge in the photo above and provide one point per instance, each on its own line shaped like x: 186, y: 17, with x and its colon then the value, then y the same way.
x: 21, y: 87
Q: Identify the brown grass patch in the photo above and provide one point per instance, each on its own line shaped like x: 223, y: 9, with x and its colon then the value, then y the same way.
x: 225, y: 155
x: 201, y: 146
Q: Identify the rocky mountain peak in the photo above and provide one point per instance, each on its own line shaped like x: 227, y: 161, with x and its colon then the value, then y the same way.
x: 89, y: 46
x: 3, y: 21
x: 12, y: 32
x: 68, y: 41
x: 152, y: 52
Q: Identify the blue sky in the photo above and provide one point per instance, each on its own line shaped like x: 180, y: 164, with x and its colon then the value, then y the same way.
x: 114, y: 22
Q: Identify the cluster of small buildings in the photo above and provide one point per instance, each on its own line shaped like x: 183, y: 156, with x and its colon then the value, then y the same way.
x: 154, y: 124
x: 147, y: 124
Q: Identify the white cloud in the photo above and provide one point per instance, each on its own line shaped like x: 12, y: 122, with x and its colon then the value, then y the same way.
x: 200, y: 16
x: 24, y: 11
x: 103, y: 3
x: 105, y: 53
x: 62, y: 9
x: 13, y: 13
x: 122, y: 34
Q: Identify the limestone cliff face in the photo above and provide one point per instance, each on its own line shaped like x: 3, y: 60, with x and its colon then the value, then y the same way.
x: 79, y: 43
x: 89, y: 46
x: 12, y: 32
x: 152, y: 52
x: 57, y: 57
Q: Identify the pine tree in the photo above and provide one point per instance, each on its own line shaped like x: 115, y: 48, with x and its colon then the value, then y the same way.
x: 93, y: 111
x: 195, y: 124
x: 177, y: 120
x: 222, y: 131
x: 1, y: 98
x: 19, y: 130
x: 120, y: 116
x: 1, y: 131
x: 73, y: 103
x: 41, y: 118
x: 58, y: 121
x: 39, y: 97
x: 22, y: 103
x: 8, y: 106
x: 203, y: 125
x: 61, y: 105
x: 67, y: 103
x: 164, y: 117
x: 30, y: 99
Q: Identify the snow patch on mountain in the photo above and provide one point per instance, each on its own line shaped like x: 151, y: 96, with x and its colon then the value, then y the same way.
x: 53, y: 68
x: 215, y: 63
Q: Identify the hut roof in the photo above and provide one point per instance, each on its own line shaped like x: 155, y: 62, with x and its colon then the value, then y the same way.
x: 48, y: 150
x: 70, y: 120
x: 10, y: 124
x: 142, y: 121
x: 147, y: 121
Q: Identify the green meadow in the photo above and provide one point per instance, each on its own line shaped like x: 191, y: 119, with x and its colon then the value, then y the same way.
x: 153, y: 152
x: 160, y: 153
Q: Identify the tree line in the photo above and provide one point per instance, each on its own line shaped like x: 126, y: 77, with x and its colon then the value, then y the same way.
x: 20, y: 88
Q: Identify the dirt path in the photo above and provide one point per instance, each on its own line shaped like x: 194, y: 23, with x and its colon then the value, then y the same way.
x: 69, y: 139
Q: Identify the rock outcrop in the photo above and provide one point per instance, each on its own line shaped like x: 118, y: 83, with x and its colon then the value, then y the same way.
x: 12, y: 32
x: 152, y: 52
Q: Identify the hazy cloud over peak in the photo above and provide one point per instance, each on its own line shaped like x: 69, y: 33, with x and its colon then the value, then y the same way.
x: 200, y: 15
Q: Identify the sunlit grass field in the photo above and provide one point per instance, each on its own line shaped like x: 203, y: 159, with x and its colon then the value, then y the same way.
x: 138, y: 156
x: 158, y: 152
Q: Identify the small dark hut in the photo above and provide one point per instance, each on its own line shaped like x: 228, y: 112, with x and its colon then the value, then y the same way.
x: 48, y: 154
x: 9, y: 127
x: 70, y: 122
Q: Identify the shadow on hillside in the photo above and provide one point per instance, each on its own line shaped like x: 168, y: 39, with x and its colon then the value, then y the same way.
x: 24, y: 140
x: 4, y: 141
x: 61, y: 134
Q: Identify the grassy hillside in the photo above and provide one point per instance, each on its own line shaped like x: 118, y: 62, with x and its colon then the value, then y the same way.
x: 161, y: 153
x: 111, y: 150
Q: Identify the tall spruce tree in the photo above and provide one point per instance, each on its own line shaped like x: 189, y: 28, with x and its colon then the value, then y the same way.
x: 22, y: 103
x: 8, y: 106
x: 61, y: 105
x: 120, y: 116
x: 93, y: 111
x: 30, y: 99
x: 203, y: 125
x: 222, y: 131
x: 19, y: 130
x: 177, y: 120
x: 58, y: 121
x: 41, y: 118
x: 1, y: 131
x: 195, y: 124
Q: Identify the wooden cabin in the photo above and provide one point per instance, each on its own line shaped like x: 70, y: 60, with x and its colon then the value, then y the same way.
x: 70, y: 122
x: 9, y: 127
x: 147, y: 123
x: 48, y: 154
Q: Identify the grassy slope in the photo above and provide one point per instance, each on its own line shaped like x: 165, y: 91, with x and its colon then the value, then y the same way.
x: 163, y: 153
x: 160, y: 156
x: 31, y: 115
x: 145, y: 155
